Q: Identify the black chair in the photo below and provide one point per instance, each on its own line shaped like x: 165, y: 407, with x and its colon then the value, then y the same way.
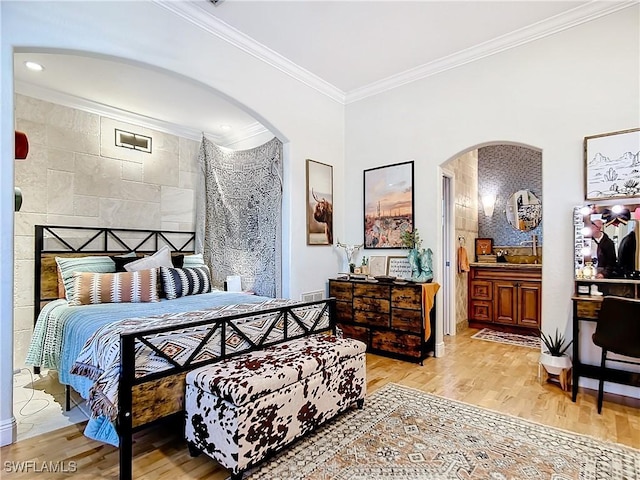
x: 617, y: 331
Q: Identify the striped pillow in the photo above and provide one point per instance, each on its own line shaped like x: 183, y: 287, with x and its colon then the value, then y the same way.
x: 180, y: 282
x: 125, y: 287
x: 68, y: 266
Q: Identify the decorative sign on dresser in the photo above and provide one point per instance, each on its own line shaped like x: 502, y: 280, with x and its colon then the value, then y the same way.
x: 395, y: 319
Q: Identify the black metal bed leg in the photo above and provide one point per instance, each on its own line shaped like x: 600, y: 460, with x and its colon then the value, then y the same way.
x: 126, y: 456
x: 36, y: 370
x: 67, y: 398
x: 237, y: 476
x: 125, y: 395
x: 360, y: 404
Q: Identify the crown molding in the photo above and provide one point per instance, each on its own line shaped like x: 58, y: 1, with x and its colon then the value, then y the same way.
x: 198, y: 15
x: 72, y: 101
x: 574, y: 17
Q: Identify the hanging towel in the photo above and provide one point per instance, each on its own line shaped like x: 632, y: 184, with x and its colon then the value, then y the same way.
x: 429, y: 291
x: 463, y: 260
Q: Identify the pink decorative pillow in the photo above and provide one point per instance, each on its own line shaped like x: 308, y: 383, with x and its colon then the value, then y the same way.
x: 125, y: 287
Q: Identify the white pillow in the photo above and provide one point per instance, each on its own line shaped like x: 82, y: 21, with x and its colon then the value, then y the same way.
x: 162, y: 258
x: 195, y: 260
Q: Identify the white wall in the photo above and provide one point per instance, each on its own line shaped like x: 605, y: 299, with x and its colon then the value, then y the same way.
x: 548, y: 94
x: 311, y: 124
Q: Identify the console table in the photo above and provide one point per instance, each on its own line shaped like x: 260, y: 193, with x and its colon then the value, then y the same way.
x: 585, y: 309
x: 395, y: 319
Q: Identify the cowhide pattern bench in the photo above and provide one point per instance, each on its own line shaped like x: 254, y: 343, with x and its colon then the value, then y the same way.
x: 242, y: 410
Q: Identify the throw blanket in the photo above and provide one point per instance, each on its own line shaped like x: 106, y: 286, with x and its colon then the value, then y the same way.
x: 99, y: 360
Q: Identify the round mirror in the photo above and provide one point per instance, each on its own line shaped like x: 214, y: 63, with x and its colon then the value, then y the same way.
x: 524, y: 210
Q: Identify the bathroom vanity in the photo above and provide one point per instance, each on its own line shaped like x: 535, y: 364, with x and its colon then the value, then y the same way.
x: 505, y: 296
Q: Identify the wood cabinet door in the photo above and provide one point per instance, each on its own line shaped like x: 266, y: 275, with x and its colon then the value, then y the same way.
x: 505, y: 302
x: 481, y: 311
x: 480, y: 290
x: 529, y: 304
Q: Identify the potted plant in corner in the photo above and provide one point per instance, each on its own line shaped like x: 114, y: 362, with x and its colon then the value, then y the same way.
x: 554, y: 357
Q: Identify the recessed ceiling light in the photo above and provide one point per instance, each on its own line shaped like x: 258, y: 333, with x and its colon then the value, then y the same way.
x: 36, y: 67
x: 225, y: 128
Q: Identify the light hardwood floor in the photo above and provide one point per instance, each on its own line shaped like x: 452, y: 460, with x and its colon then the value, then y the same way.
x: 491, y: 375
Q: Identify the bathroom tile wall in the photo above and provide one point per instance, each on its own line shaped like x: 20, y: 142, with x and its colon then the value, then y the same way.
x: 465, y: 170
x: 503, y: 170
x: 75, y: 175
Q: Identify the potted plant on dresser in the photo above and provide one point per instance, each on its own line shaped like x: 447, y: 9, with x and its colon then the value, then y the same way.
x: 554, y: 358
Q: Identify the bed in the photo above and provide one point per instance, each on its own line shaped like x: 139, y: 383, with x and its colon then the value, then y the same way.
x: 129, y: 359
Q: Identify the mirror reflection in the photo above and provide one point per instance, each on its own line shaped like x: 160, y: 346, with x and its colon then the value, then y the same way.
x: 608, y: 237
x: 524, y: 210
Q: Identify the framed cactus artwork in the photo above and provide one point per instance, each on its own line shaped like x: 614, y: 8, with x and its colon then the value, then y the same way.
x: 612, y: 165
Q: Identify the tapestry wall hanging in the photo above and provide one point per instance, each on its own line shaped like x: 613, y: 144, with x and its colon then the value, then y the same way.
x: 239, y: 215
x: 612, y: 165
x: 319, y: 203
x: 388, y: 205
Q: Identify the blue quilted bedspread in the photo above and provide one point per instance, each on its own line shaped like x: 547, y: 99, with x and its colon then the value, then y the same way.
x: 62, y: 331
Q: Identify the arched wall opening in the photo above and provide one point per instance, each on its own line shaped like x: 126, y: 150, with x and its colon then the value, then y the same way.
x: 467, y: 211
x: 67, y: 163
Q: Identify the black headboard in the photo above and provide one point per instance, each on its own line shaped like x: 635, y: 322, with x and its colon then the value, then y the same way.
x: 54, y: 240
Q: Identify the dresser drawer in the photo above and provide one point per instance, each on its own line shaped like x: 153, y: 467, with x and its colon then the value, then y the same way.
x: 397, y: 343
x: 341, y: 291
x: 344, y: 311
x: 407, y: 297
x: 351, y: 331
x: 370, y: 290
x: 409, y: 320
x: 371, y: 318
x: 588, y: 309
x: 371, y: 304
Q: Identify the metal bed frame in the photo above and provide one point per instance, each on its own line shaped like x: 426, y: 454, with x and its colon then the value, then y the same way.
x: 166, y: 387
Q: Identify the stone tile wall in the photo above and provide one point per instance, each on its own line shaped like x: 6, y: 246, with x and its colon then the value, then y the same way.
x: 465, y: 169
x: 75, y: 175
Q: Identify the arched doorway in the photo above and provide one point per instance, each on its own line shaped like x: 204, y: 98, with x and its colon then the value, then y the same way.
x: 506, y: 167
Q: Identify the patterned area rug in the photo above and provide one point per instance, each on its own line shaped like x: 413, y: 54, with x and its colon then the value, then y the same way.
x: 403, y: 433
x: 510, y: 338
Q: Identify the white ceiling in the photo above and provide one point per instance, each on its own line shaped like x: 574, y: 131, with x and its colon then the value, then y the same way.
x: 346, y: 49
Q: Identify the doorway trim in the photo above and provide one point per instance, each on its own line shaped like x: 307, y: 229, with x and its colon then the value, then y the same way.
x: 448, y: 251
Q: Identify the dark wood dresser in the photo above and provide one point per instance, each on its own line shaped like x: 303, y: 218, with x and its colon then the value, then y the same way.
x: 388, y: 317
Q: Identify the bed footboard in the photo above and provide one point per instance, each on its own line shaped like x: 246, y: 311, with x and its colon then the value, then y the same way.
x: 146, y: 398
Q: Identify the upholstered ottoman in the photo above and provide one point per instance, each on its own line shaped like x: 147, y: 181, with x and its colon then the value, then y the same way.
x: 242, y: 410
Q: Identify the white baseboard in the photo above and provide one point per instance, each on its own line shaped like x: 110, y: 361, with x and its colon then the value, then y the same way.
x: 8, y: 431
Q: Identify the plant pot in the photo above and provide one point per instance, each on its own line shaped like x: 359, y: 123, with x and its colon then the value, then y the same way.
x: 555, y: 365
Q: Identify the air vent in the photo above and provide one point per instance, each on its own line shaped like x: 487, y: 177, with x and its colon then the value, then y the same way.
x: 133, y: 141
x: 312, y: 296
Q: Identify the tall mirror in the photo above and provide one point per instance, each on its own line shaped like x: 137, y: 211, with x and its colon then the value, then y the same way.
x: 524, y: 210
x: 608, y: 236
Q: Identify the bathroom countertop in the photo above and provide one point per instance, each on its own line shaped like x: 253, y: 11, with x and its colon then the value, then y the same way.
x: 532, y: 266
